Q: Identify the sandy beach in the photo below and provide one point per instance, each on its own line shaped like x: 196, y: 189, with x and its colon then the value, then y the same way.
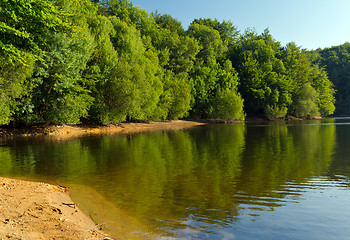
x: 34, y: 210
x: 66, y: 132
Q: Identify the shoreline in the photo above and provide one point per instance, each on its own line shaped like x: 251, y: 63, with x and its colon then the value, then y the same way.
x: 66, y: 132
x: 36, y: 210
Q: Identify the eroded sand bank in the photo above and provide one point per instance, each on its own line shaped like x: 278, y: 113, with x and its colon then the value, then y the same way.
x: 33, y: 210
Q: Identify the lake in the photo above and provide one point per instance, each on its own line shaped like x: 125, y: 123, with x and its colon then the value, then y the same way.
x: 276, y: 180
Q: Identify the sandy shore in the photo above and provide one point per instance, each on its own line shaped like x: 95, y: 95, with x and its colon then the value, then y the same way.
x: 72, y: 131
x: 33, y: 211
x: 66, y: 132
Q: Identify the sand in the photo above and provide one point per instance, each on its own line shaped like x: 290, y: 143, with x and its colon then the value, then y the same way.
x: 66, y: 132
x: 33, y: 211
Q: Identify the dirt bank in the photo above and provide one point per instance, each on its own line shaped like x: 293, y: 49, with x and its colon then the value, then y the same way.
x: 72, y: 131
x: 31, y: 210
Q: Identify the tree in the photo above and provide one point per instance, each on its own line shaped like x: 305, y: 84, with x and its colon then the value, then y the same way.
x: 131, y: 87
x: 58, y: 92
x: 325, y: 92
x: 335, y: 61
x: 277, y: 80
x: 275, y: 112
x: 57, y: 89
x: 12, y: 87
x: 213, y: 79
x: 262, y: 73
x: 213, y: 47
x: 228, y: 32
x: 227, y: 105
x: 305, y: 104
x: 311, y: 84
x: 109, y: 61
x: 176, y: 50
x: 165, y: 21
x: 24, y: 27
x: 174, y: 102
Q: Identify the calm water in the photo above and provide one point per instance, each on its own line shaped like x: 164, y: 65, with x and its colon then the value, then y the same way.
x: 242, y: 181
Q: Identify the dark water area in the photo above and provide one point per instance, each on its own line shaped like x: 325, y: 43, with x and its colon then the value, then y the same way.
x: 232, y: 181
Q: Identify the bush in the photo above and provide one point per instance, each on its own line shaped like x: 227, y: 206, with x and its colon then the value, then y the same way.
x: 227, y: 105
x: 306, y: 105
x: 274, y: 112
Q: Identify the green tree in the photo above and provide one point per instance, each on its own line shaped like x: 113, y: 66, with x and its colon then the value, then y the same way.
x: 57, y: 88
x: 24, y: 26
x: 275, y: 80
x: 100, y: 69
x: 275, y: 112
x: 325, y: 92
x: 132, y: 87
x: 58, y: 93
x: 263, y: 80
x: 165, y: 21
x: 335, y: 61
x: 228, y: 32
x: 24, y: 29
x: 213, y: 79
x: 305, y: 104
x: 12, y: 88
x: 311, y: 84
x: 213, y: 46
x: 174, y: 102
x: 227, y: 105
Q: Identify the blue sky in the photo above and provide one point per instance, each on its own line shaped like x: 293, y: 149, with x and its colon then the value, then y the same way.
x: 309, y: 23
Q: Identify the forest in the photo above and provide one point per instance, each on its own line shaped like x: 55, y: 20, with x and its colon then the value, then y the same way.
x: 109, y: 61
x: 336, y: 61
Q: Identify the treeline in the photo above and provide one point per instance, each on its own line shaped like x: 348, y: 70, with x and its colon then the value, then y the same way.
x: 336, y: 61
x: 109, y: 61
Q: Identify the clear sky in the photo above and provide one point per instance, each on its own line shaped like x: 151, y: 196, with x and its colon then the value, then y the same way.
x: 310, y: 24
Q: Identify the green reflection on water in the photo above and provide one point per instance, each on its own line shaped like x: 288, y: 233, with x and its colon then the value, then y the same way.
x: 279, y: 153
x: 163, y: 178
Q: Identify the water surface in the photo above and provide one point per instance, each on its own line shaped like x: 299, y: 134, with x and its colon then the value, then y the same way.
x: 236, y: 181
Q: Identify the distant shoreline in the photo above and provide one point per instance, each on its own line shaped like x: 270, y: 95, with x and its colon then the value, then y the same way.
x: 63, y: 131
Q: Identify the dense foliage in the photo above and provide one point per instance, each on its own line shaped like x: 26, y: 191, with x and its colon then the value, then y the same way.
x: 336, y: 61
x: 109, y: 61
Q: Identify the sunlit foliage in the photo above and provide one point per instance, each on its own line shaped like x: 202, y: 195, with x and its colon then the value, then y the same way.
x: 109, y: 61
